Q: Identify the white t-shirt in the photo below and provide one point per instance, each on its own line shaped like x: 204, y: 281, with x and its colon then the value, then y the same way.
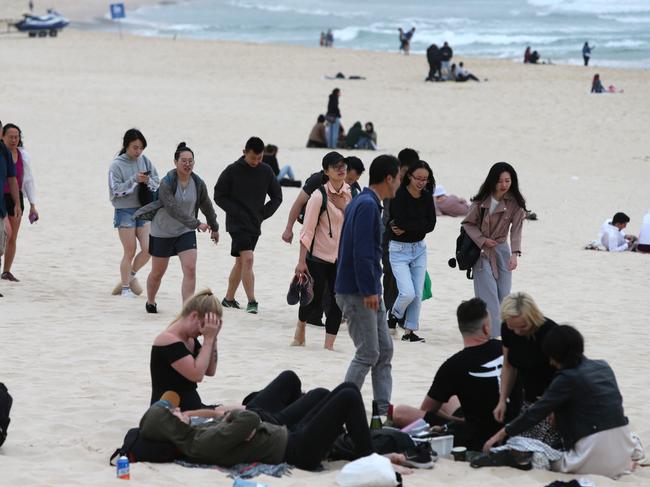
x: 612, y: 238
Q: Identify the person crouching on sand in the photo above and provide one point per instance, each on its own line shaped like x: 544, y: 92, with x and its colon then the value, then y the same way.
x: 130, y: 169
x: 174, y: 224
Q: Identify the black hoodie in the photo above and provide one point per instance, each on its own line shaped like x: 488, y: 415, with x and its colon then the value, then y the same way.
x: 241, y: 192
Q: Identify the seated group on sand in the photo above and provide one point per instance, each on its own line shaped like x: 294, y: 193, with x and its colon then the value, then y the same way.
x: 489, y: 391
x: 357, y: 137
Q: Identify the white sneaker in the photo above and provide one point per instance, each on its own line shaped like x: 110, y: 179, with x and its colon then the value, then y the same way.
x: 127, y: 293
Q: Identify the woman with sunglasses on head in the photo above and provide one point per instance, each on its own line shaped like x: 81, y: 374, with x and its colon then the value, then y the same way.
x: 412, y: 216
x: 319, y: 245
x: 174, y: 221
x: 498, y: 209
x: 12, y: 137
x: 130, y: 169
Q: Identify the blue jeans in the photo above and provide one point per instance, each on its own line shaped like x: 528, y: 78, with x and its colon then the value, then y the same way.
x: 374, y: 347
x: 285, y: 172
x: 123, y: 218
x: 333, y: 133
x: 409, y: 264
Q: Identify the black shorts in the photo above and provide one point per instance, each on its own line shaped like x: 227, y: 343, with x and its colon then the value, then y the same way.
x: 241, y: 242
x: 167, y: 247
x: 9, y: 204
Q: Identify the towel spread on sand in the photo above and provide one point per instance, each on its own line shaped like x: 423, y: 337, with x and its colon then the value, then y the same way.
x: 244, y: 470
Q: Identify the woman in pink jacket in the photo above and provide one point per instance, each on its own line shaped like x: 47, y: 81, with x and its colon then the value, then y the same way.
x: 319, y: 245
x: 498, y: 209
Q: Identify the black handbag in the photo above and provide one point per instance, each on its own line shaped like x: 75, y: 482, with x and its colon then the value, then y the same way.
x: 145, y: 195
x: 467, y: 252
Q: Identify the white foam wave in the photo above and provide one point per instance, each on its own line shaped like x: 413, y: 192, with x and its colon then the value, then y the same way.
x: 628, y: 19
x: 279, y: 8
x: 593, y: 6
x: 624, y: 43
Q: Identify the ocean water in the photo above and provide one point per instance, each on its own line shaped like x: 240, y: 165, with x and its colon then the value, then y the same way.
x: 619, y: 29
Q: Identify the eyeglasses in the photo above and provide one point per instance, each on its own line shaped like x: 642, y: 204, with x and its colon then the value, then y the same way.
x: 340, y: 165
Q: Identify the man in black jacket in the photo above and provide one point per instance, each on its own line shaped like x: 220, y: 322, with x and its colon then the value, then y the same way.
x: 433, y: 58
x: 446, y: 54
x: 241, y: 192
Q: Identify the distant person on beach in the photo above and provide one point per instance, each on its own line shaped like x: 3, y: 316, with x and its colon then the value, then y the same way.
x: 446, y: 54
x: 534, y: 57
x: 284, y: 175
x: 30, y: 5
x: 498, y: 209
x: 241, y: 192
x: 597, y: 85
x: 319, y: 246
x: 643, y: 245
x: 358, y: 282
x: 527, y: 54
x: 12, y: 138
x: 405, y: 40
x: 586, y: 53
x: 130, y: 174
x: 405, y: 158
x: 7, y: 177
x: 174, y: 221
x: 433, y: 59
x: 329, y: 38
x: 463, y: 75
x: 612, y: 234
x: 323, y: 39
x: 449, y: 204
x: 318, y: 134
x: 333, y: 117
x: 412, y: 217
x: 470, y: 379
x: 587, y: 407
x: 368, y: 137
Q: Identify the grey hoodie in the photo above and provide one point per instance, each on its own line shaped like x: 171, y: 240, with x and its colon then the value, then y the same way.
x: 122, y: 182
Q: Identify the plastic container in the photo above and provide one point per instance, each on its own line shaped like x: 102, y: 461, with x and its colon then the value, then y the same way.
x: 442, y: 445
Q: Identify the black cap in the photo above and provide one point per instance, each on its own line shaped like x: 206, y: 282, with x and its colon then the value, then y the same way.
x: 332, y: 159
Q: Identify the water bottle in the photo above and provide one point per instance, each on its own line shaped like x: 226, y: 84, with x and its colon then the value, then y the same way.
x: 123, y: 468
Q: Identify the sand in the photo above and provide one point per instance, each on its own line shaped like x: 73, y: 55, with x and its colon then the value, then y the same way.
x: 76, y: 358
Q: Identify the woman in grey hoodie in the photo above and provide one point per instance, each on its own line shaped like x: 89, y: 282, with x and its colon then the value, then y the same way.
x: 130, y: 168
x: 174, y: 221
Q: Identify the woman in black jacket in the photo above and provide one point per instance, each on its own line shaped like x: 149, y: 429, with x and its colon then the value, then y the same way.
x: 412, y: 216
x: 333, y: 117
x: 588, y: 409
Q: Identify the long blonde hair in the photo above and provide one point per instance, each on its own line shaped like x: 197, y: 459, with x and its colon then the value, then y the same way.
x: 202, y: 302
x: 522, y: 304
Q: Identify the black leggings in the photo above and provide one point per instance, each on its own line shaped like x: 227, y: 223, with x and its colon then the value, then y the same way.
x: 313, y: 436
x: 282, y: 402
x: 324, y: 275
x: 389, y: 283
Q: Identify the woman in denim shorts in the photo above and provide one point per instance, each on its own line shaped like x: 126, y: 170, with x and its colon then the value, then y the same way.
x: 130, y: 168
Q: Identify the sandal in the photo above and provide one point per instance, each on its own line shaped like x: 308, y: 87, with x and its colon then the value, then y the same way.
x: 504, y: 458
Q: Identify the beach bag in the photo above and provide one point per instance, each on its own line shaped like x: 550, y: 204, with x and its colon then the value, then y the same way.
x: 371, y: 471
x: 426, y: 291
x: 5, y: 406
x: 384, y: 440
x: 467, y: 252
x: 138, y: 449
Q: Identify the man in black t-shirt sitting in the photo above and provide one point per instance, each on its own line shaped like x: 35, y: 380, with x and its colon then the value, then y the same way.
x: 473, y: 375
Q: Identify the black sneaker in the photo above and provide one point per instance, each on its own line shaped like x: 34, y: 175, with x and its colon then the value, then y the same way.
x: 226, y: 303
x: 412, y: 337
x: 393, y: 321
x: 420, y: 456
x: 151, y: 308
x: 252, y: 307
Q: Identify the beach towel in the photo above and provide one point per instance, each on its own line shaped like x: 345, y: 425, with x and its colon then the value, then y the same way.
x: 244, y: 470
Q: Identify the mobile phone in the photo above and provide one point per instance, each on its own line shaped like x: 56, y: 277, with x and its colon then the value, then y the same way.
x: 33, y: 217
x: 146, y: 173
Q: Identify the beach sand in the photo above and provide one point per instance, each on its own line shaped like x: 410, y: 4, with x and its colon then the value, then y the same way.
x: 76, y: 358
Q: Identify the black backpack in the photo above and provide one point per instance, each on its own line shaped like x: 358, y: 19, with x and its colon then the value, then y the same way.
x: 384, y: 440
x: 467, y: 252
x: 323, y: 206
x: 5, y: 406
x: 138, y: 449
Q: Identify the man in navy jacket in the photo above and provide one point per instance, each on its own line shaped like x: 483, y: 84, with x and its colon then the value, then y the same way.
x: 358, y: 281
